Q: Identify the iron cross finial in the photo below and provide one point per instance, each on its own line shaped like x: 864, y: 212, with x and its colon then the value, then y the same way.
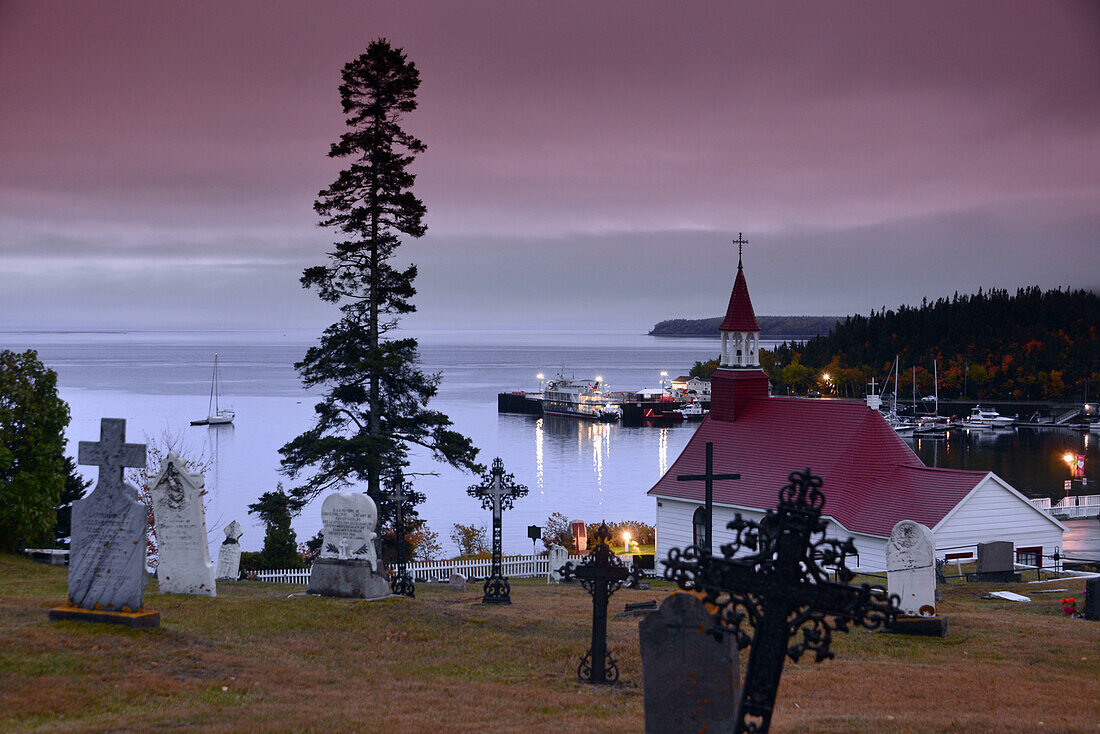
x: 740, y: 242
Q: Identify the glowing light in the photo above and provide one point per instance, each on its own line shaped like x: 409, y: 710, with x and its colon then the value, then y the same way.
x: 825, y: 377
x: 626, y: 540
x: 1069, y: 458
x: 540, y: 376
x: 599, y: 378
x: 664, y: 374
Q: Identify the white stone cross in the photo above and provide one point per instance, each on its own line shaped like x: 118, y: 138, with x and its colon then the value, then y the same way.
x: 111, y: 455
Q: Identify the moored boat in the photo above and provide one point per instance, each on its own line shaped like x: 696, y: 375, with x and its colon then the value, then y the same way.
x: 579, y: 399
x: 215, y: 414
x: 986, y: 418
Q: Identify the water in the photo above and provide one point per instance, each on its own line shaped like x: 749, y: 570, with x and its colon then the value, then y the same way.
x: 160, y: 382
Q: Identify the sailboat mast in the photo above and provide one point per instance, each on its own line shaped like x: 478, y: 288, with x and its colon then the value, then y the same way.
x: 213, y: 386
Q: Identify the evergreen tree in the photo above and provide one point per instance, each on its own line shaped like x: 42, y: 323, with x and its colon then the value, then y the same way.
x: 74, y: 489
x: 374, y: 405
x: 32, y: 442
x: 280, y: 542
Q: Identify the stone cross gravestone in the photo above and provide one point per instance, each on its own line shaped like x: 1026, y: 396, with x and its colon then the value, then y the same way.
x: 497, y: 491
x: 559, y: 556
x: 775, y: 576
x: 348, y: 565
x: 601, y: 573
x: 229, y: 555
x: 911, y: 576
x: 184, y: 566
x: 690, y: 674
x: 107, y: 560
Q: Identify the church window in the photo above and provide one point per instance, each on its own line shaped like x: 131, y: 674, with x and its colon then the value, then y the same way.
x: 699, y: 528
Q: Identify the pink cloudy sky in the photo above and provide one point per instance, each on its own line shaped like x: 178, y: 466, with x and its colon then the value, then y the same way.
x: 587, y: 164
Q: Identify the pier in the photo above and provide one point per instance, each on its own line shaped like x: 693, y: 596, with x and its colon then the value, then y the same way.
x: 1074, y: 507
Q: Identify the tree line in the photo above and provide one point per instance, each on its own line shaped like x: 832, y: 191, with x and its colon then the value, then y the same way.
x: 1031, y: 345
x: 773, y: 327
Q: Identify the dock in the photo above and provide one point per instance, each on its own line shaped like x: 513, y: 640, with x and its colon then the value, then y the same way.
x: 1074, y: 507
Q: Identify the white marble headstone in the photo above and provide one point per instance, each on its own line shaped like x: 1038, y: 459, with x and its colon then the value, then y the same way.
x: 349, y: 519
x: 229, y: 555
x: 559, y: 556
x: 180, y: 521
x: 107, y: 560
x: 911, y: 568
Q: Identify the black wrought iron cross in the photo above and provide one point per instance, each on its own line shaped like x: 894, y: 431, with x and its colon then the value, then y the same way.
x: 401, y: 584
x: 601, y: 574
x: 498, y: 491
x: 708, y: 502
x: 780, y: 590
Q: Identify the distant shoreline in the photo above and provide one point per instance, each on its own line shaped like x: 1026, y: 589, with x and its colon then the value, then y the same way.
x: 777, y: 328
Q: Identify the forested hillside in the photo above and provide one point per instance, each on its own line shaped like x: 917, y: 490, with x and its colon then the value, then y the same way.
x: 771, y: 327
x: 1033, y: 345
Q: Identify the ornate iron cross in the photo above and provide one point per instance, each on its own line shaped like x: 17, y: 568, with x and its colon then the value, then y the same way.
x: 709, y: 477
x: 402, y: 584
x: 498, y: 491
x: 601, y: 574
x: 781, y: 589
x: 111, y: 454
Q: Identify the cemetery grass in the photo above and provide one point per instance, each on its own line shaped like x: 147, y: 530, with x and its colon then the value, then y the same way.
x: 255, y: 660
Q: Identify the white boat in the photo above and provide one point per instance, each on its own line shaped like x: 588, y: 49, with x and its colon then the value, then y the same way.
x: 901, y: 426
x: 215, y: 414
x: 986, y: 418
x: 579, y: 399
x: 692, y: 411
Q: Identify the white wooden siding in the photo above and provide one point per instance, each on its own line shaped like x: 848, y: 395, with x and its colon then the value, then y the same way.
x: 992, y: 512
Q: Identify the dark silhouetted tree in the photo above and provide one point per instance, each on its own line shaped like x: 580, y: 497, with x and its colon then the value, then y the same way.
x: 280, y: 542
x: 375, y: 395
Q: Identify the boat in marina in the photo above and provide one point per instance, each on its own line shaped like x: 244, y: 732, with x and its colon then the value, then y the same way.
x: 986, y: 419
x: 215, y: 414
x: 692, y: 411
x: 579, y: 399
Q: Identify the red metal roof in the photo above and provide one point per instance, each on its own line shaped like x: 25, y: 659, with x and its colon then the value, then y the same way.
x: 872, y: 479
x: 739, y: 314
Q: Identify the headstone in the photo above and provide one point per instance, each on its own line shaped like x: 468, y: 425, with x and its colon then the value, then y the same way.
x: 1092, y: 599
x: 690, y: 675
x: 184, y: 566
x: 107, y: 560
x: 348, y: 565
x: 457, y: 583
x: 497, y: 491
x: 559, y: 556
x: 348, y: 534
x: 995, y: 563
x: 772, y: 588
x: 229, y: 555
x: 911, y: 576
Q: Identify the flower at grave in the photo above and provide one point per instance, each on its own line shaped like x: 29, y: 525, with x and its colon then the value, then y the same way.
x: 1069, y: 607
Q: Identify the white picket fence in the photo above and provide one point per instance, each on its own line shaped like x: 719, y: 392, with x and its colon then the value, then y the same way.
x: 512, y: 566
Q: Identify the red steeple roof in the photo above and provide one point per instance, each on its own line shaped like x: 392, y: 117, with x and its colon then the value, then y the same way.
x: 739, y: 314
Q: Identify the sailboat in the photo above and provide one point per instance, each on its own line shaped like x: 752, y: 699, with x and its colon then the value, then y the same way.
x: 215, y: 414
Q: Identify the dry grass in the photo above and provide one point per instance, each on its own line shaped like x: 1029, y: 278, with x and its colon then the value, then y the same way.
x: 255, y: 660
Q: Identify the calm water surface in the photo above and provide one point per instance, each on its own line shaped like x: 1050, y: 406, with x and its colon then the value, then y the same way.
x: 159, y: 382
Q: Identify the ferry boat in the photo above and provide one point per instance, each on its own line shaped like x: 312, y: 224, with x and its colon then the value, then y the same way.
x: 579, y: 399
x: 986, y: 418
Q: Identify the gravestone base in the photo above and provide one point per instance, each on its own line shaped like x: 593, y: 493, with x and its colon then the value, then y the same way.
x: 347, y: 579
x: 994, y: 577
x: 141, y: 619
x: 923, y: 626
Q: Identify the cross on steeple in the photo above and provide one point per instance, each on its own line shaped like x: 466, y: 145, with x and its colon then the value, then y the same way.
x: 740, y: 242
x: 709, y: 477
x: 110, y: 454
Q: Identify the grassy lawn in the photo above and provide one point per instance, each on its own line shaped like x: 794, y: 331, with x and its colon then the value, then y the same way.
x: 254, y: 659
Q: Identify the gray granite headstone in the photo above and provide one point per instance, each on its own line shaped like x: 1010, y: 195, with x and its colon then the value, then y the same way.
x: 457, y: 582
x: 691, y: 678
x: 229, y: 554
x: 184, y: 565
x: 559, y: 556
x: 107, y: 561
x: 995, y: 563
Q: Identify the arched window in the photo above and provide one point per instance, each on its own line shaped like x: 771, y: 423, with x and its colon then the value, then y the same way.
x: 699, y: 528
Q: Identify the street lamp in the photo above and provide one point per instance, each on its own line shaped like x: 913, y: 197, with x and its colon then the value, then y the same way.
x: 626, y: 541
x: 540, y: 378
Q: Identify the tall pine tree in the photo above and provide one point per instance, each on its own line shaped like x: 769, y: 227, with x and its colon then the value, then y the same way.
x: 375, y: 401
